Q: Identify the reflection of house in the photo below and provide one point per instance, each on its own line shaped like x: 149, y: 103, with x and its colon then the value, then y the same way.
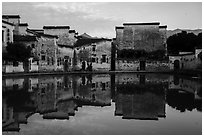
x: 93, y: 53
x: 185, y: 60
x: 143, y: 106
x: 145, y: 95
x: 186, y: 85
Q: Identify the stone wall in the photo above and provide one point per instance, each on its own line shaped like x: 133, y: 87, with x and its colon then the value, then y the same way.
x: 134, y: 65
x: 47, y: 54
x: 185, y: 61
x: 11, y: 68
x: 141, y: 37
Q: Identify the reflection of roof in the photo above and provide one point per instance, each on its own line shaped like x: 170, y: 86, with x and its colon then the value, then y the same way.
x: 23, y: 24
x: 151, y: 23
x: 66, y: 46
x: 10, y: 16
x: 181, y: 55
x: 56, y: 27
x: 3, y: 21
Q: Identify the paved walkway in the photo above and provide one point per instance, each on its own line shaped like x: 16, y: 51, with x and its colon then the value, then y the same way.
x: 183, y: 72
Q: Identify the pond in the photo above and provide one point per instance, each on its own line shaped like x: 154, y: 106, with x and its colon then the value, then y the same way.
x: 120, y: 104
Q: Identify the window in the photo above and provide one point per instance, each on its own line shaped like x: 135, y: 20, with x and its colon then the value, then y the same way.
x: 93, y: 85
x: 33, y: 46
x: 43, y: 57
x: 2, y: 35
x: 93, y: 59
x: 103, y: 58
x: 15, y: 63
x: 52, y: 61
x: 103, y: 85
x: 94, y: 48
x: 48, y: 61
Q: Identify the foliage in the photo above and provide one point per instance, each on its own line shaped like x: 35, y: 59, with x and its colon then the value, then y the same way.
x: 137, y: 54
x: 184, y: 42
x: 84, y: 55
x: 17, y: 52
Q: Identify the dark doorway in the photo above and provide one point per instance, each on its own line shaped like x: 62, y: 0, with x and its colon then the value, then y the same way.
x: 83, y: 65
x: 176, y: 65
x: 66, y: 66
x: 142, y: 64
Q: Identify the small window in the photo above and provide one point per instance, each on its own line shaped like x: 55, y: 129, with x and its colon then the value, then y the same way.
x: 103, y: 58
x: 43, y: 57
x: 94, y: 48
x: 48, y: 61
x: 15, y: 63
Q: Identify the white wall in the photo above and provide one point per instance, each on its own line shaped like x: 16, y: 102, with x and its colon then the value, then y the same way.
x: 10, y: 68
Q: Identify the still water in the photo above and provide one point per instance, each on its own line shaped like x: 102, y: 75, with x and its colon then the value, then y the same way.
x: 148, y: 104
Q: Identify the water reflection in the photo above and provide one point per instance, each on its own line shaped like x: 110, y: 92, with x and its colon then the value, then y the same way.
x: 142, y: 97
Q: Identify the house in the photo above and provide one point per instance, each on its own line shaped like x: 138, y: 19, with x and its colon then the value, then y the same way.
x: 14, y: 19
x: 186, y: 60
x: 92, y: 53
x: 141, y: 46
x: 7, y: 33
x: 65, y: 44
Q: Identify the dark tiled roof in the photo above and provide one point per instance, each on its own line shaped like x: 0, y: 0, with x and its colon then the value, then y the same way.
x: 37, y: 30
x: 41, y: 34
x: 23, y: 24
x: 22, y: 38
x: 47, y: 35
x: 82, y: 42
x: 119, y: 27
x: 3, y: 21
x: 72, y: 31
x: 177, y: 55
x: 163, y: 26
x: 10, y: 16
x: 56, y: 27
x: 150, y: 23
x: 85, y: 36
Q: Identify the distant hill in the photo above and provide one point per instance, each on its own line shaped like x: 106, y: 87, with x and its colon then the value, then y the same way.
x: 172, y: 32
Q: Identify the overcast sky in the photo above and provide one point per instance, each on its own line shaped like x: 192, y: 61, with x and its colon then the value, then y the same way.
x: 99, y: 19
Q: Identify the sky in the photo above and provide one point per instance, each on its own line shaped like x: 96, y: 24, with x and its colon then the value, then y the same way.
x: 100, y: 18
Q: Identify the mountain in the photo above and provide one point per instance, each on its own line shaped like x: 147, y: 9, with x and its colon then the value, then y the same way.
x: 172, y: 32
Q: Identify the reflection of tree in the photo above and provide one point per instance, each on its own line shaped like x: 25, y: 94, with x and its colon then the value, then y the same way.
x: 181, y: 101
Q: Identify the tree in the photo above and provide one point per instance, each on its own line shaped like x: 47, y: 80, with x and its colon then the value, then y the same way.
x: 183, y: 42
x: 17, y: 52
